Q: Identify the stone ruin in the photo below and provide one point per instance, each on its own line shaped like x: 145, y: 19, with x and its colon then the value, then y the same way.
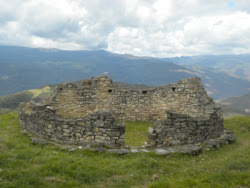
x: 93, y: 113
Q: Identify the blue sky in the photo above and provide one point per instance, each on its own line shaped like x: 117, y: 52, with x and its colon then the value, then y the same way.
x: 160, y: 28
x: 231, y: 4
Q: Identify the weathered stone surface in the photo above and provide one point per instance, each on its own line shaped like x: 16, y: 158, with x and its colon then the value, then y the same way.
x: 211, y: 143
x: 119, y: 151
x: 174, y: 150
x: 162, y: 151
x: 38, y: 141
x: 65, y: 147
x: 145, y: 150
x: 226, y: 138
x: 179, y: 129
x: 99, y: 150
x: 190, y: 149
x: 73, y: 101
x: 134, y: 150
x: 72, y: 149
x: 65, y: 131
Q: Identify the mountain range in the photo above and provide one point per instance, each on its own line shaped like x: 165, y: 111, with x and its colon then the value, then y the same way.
x: 235, y: 65
x: 23, y: 68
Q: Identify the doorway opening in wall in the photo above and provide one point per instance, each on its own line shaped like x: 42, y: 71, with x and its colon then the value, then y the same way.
x: 110, y: 91
x: 136, y: 132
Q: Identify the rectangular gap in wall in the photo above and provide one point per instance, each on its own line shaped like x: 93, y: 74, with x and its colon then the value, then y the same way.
x: 144, y: 92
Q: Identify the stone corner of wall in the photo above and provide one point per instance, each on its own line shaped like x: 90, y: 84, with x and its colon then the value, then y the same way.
x: 180, y: 129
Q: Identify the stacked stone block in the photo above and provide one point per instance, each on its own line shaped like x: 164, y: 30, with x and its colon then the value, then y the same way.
x: 188, y: 96
x: 180, y: 129
x: 98, y: 128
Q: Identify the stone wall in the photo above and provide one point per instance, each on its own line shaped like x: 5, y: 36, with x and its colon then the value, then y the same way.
x: 98, y: 128
x: 179, y: 129
x: 91, y: 113
x: 187, y: 97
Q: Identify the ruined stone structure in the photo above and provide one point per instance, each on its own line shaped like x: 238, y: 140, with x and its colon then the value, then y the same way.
x: 93, y: 112
x: 179, y: 129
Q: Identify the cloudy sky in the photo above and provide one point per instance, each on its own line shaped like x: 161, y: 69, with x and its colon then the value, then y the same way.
x: 160, y: 28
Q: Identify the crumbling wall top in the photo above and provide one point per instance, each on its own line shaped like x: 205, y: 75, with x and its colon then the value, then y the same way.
x: 187, y: 96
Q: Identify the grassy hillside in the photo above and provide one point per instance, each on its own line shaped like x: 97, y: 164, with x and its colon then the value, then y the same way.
x: 11, y: 102
x: 235, y: 105
x: 25, y: 165
x: 241, y: 102
x: 236, y: 65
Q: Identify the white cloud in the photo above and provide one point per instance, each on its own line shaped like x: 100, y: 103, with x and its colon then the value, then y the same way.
x: 140, y: 27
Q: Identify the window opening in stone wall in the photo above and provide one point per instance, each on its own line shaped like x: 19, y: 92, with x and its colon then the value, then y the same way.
x: 110, y: 91
x: 60, y: 89
x: 173, y: 89
x: 144, y: 92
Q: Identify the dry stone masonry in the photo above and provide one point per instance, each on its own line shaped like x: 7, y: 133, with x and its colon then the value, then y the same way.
x: 179, y: 129
x: 95, y: 128
x: 93, y: 113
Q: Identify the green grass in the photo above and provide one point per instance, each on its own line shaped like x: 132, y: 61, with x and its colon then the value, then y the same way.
x: 25, y: 165
x: 136, y: 133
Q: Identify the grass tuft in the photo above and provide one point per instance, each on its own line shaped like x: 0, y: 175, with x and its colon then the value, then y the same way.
x: 136, y: 133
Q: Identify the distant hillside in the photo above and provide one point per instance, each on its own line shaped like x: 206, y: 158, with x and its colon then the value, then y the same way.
x: 25, y: 68
x: 237, y: 102
x: 236, y: 65
x: 235, y: 105
x: 11, y: 102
